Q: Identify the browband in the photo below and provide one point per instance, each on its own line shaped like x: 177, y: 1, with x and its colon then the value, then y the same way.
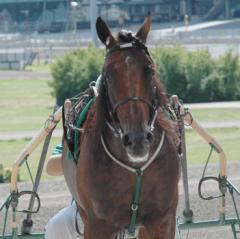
x: 123, y: 46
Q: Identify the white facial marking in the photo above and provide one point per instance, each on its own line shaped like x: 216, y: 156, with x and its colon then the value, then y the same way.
x: 128, y: 60
x: 137, y: 159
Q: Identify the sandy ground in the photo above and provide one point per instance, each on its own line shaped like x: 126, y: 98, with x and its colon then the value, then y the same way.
x: 54, y: 196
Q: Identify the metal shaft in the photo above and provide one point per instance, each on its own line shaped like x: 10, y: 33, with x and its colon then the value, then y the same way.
x: 187, y: 213
x: 27, y: 222
x: 179, y: 111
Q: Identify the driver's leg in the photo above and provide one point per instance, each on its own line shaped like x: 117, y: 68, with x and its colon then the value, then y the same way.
x: 63, y: 224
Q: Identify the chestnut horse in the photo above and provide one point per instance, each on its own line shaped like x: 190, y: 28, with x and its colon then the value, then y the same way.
x: 127, y: 174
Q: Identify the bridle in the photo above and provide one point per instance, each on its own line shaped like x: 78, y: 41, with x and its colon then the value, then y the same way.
x: 115, y: 126
x: 113, y: 122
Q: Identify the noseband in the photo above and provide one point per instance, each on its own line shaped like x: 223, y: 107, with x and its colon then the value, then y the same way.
x: 114, y: 124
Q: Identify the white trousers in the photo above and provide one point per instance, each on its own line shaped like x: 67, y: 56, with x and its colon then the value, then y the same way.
x: 63, y: 224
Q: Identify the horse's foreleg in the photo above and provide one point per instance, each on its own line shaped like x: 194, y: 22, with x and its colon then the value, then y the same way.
x: 161, y: 230
x: 86, y: 232
x: 98, y: 229
x: 143, y: 233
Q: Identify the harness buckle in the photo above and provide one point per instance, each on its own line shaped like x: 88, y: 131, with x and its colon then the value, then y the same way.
x: 139, y: 172
x: 125, y: 234
x: 134, y: 207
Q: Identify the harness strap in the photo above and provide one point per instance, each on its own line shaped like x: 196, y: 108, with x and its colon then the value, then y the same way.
x: 80, y: 120
x: 135, y: 44
x: 138, y: 183
x: 115, y: 159
x: 132, y: 98
x: 155, y: 154
x: 76, y: 224
x: 135, y: 203
x: 129, y: 168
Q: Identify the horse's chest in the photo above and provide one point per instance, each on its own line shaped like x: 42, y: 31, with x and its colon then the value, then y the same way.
x: 112, y: 194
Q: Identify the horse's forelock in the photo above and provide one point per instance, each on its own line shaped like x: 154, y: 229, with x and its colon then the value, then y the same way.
x: 126, y: 36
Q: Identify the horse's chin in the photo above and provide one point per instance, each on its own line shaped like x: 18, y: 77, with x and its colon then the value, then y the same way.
x: 137, y: 159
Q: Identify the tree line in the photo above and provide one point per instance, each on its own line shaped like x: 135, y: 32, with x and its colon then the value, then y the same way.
x: 193, y: 76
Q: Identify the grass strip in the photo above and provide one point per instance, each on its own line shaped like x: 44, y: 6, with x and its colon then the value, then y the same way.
x: 197, y: 149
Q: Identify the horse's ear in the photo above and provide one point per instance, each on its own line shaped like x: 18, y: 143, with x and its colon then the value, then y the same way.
x: 144, y: 29
x: 104, y: 33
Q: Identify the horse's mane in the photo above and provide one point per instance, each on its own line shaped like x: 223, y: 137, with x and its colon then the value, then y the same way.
x: 98, y: 112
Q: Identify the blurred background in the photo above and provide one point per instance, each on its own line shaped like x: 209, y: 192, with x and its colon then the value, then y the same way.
x: 62, y: 15
x: 41, y: 31
x: 49, y: 51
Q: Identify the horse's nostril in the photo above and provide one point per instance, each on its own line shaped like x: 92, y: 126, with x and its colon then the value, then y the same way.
x: 149, y: 136
x: 126, y: 140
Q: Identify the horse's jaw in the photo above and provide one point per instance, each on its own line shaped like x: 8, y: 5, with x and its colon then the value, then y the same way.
x: 137, y: 159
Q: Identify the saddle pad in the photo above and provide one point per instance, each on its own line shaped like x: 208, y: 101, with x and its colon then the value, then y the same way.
x: 74, y: 120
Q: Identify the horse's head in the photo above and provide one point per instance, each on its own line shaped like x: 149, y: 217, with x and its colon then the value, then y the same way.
x: 128, y: 78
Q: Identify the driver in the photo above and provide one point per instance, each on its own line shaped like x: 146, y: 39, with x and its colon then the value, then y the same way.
x: 67, y: 223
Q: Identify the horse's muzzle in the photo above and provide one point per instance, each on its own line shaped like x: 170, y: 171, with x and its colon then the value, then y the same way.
x: 137, y: 145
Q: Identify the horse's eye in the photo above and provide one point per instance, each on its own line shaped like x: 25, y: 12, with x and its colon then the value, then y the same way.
x: 148, y: 70
x: 109, y: 79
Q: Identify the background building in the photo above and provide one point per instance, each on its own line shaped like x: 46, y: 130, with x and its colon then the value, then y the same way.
x: 60, y: 15
x: 32, y: 15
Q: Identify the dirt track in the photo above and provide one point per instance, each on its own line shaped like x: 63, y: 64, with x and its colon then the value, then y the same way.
x: 54, y: 196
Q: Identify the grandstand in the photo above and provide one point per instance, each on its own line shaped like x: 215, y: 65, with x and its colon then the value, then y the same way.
x: 32, y: 15
x: 59, y: 15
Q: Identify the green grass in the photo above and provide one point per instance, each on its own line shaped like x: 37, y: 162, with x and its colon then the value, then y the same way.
x: 215, y: 115
x: 24, y: 104
x: 197, y: 149
x: 39, y: 67
x: 11, y: 149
